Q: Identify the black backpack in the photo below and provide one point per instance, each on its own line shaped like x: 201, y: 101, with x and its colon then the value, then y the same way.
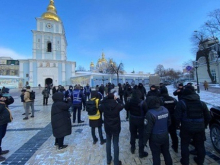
x: 32, y: 95
x: 194, y: 110
x: 91, y: 107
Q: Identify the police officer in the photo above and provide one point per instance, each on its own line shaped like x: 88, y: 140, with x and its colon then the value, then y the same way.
x: 153, y: 91
x: 179, y: 91
x: 137, y: 108
x: 77, y: 103
x: 193, y: 115
x: 170, y: 103
x: 156, y: 130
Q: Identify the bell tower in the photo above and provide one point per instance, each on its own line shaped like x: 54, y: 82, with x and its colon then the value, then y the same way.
x: 49, y: 40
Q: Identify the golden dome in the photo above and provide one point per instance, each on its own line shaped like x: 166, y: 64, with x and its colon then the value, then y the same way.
x: 91, y: 65
x: 103, y: 58
x: 51, y: 13
x: 99, y: 61
x: 111, y: 62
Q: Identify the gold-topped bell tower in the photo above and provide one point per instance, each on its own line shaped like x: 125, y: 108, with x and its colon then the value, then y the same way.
x: 51, y: 13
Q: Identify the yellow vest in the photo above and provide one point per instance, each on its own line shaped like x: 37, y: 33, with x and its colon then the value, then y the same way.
x: 97, y: 115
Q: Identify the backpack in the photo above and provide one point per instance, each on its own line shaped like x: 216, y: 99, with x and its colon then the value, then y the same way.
x: 32, y: 95
x: 193, y: 110
x: 91, y: 107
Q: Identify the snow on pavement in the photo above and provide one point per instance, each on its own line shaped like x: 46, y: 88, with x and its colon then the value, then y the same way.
x: 213, y: 99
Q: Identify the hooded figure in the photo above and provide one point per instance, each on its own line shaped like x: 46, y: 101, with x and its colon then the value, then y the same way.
x: 153, y: 91
x: 60, y: 119
x: 192, y: 115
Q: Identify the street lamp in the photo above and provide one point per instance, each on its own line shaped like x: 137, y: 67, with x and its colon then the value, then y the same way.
x: 196, y: 65
x: 217, y: 64
x: 103, y: 80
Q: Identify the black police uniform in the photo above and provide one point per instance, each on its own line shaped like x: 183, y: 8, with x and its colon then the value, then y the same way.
x: 156, y: 130
x: 193, y: 115
x: 170, y: 103
x: 137, y: 109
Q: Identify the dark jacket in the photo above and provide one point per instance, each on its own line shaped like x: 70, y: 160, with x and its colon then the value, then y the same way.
x: 5, y: 114
x: 136, y: 107
x: 143, y: 91
x: 151, y: 120
x: 120, y: 90
x: 180, y: 113
x: 22, y: 97
x: 111, y: 109
x: 178, y: 93
x: 153, y: 93
x: 60, y: 116
x: 46, y: 93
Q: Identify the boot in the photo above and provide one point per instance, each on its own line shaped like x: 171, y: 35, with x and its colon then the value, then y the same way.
x: 143, y: 154
x: 4, y: 152
x: 64, y: 146
x: 103, y: 141
x: 2, y: 158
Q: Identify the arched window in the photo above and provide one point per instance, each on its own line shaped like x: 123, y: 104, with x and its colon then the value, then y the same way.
x: 49, y: 47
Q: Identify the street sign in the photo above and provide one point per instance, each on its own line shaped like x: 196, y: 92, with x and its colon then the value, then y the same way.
x: 188, y: 68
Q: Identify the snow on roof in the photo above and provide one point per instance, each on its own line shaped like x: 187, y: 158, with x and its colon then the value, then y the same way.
x: 9, y: 77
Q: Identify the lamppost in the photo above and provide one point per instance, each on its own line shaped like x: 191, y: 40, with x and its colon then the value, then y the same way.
x: 196, y: 65
x: 217, y: 64
x: 103, y: 80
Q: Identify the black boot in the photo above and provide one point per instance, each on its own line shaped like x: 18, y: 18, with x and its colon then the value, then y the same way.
x: 95, y: 141
x: 2, y: 158
x: 103, y: 141
x: 143, y: 154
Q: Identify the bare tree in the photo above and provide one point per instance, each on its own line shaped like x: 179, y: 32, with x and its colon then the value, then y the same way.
x: 160, y: 70
x: 81, y: 68
x: 172, y: 74
x: 213, y: 25
x: 203, y: 51
x: 207, y: 39
x: 113, y: 68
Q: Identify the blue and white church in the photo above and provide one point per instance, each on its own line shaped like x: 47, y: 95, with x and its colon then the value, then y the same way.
x: 49, y: 63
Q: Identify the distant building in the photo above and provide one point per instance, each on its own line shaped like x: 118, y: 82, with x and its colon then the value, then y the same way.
x: 211, y: 47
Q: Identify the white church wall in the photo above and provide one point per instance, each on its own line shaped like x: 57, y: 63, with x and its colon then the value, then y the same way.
x: 44, y: 73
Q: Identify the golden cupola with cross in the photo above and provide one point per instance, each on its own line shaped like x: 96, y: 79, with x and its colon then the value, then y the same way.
x: 51, y: 13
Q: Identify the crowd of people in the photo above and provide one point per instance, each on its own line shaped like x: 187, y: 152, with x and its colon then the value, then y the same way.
x: 153, y: 117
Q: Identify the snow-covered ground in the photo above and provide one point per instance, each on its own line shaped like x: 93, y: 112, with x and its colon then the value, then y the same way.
x: 212, y: 99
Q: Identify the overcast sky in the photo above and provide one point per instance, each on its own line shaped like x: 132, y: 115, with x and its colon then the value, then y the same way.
x: 139, y: 33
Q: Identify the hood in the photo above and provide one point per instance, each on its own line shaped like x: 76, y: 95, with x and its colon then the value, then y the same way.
x: 163, y: 90
x: 58, y: 96
x: 153, y: 102
x: 191, y: 97
x: 70, y: 87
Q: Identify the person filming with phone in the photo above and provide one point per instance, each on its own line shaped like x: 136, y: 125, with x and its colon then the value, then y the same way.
x: 111, y: 106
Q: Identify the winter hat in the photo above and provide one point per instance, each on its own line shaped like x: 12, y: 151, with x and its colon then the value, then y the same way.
x: 58, y: 96
x: 181, y: 84
x: 153, y: 86
x: 163, y: 90
x: 188, y: 90
x: 110, y: 96
x: 153, y: 102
